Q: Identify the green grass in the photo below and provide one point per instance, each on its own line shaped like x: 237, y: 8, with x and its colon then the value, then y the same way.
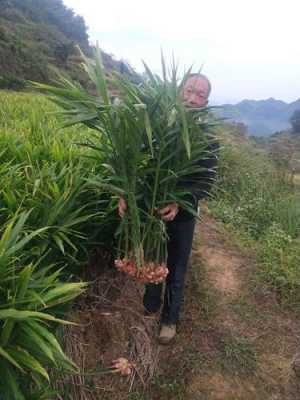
x: 206, y: 294
x: 50, y: 220
x: 244, y: 309
x: 238, y: 356
x: 254, y: 201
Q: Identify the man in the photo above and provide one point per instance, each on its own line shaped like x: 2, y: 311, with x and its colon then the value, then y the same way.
x: 180, y: 226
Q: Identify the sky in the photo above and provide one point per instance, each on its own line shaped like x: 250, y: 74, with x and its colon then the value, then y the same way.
x: 248, y: 49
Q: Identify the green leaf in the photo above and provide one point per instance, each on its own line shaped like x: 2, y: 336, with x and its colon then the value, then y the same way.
x: 6, y: 355
x: 107, y: 186
x: 149, y: 73
x: 185, y: 131
x: 23, y: 315
x: 65, y: 289
x: 10, y: 383
x: 67, y: 240
x: 163, y: 65
x: 46, y: 334
x: 20, y: 244
x: 148, y: 130
x: 37, y: 341
x: 51, y: 339
x: 172, y: 117
x: 59, y: 243
x: 23, y: 282
x: 29, y: 362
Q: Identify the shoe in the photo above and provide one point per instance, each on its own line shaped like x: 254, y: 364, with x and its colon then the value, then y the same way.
x: 167, y: 334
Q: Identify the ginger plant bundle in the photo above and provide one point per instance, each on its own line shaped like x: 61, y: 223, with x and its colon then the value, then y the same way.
x: 148, y: 145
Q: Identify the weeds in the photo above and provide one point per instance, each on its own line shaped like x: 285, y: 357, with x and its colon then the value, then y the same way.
x: 238, y: 355
x: 255, y: 201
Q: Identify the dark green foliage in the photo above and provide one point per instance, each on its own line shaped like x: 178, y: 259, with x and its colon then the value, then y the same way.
x: 63, y: 52
x: 12, y: 83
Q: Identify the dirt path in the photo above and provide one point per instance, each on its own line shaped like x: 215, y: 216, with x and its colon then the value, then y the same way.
x: 234, y: 342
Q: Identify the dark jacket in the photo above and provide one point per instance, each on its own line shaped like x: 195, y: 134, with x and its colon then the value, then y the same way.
x: 200, y: 184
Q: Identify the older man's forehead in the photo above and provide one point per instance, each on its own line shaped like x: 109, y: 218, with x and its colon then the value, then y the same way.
x: 195, y: 81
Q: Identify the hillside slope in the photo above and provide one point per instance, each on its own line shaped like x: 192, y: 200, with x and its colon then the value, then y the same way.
x: 38, y: 36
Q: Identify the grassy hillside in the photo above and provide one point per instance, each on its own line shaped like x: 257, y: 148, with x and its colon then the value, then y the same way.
x: 48, y: 216
x: 258, y: 197
x: 37, y: 37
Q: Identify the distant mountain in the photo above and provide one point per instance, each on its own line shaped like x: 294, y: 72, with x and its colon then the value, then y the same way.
x: 262, y: 117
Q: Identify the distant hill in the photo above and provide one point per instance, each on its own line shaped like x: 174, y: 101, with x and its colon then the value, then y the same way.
x: 37, y: 36
x: 262, y: 117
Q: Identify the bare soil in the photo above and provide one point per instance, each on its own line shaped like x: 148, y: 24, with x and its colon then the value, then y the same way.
x: 257, y: 350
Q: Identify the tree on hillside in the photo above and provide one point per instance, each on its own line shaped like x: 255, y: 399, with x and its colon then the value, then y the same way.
x: 38, y: 38
x: 295, y: 122
x: 53, y: 12
x: 63, y: 51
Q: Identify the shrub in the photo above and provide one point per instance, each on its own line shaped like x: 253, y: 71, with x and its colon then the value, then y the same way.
x: 12, y: 83
x: 280, y: 256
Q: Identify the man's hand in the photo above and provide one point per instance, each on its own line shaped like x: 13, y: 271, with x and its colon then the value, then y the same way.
x: 122, y: 207
x: 169, y: 212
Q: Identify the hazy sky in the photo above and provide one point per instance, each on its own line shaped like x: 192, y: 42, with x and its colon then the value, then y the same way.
x: 248, y: 49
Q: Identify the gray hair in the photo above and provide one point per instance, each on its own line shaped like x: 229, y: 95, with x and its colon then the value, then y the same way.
x: 202, y: 76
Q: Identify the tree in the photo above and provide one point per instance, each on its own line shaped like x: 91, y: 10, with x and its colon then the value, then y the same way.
x: 63, y: 51
x: 295, y: 122
x: 54, y: 12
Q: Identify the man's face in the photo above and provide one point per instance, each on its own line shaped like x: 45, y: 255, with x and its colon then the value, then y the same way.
x: 195, y: 92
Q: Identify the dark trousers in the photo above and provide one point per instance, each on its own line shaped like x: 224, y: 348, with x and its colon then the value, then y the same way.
x: 179, y: 248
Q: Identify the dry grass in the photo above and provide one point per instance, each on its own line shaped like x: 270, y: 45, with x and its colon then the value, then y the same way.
x: 111, y: 324
x: 297, y: 180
